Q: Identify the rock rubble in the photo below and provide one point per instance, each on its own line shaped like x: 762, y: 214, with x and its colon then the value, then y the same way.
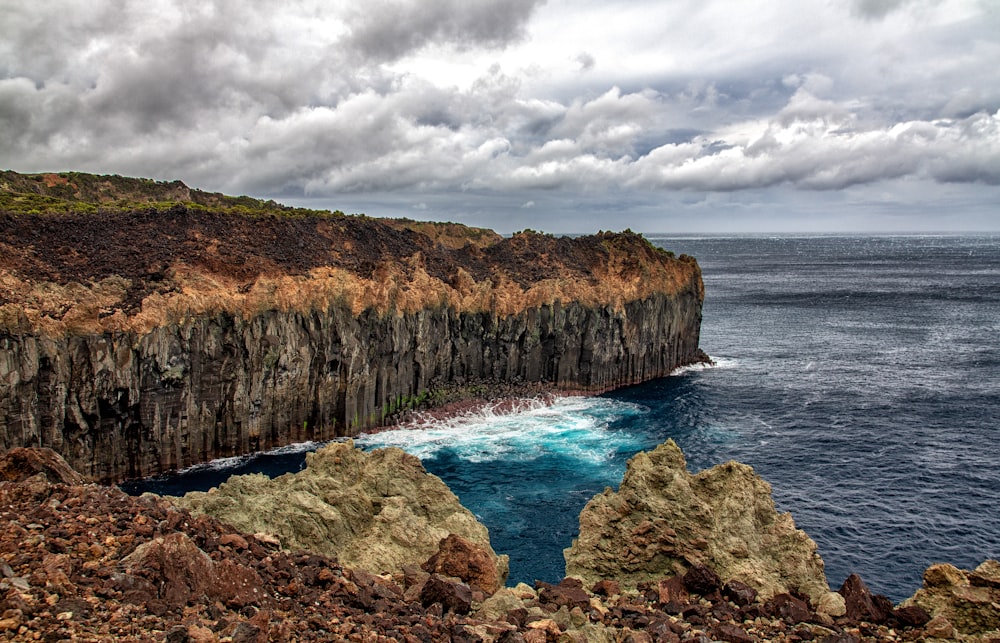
x: 89, y: 563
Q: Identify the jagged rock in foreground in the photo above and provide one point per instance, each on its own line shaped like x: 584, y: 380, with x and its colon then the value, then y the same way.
x: 377, y: 511
x: 90, y: 563
x: 17, y: 465
x: 965, y: 604
x: 146, y: 327
x: 663, y: 521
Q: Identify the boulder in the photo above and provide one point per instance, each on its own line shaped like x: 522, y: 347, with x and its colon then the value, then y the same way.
x: 453, y: 597
x: 180, y: 573
x: 568, y: 592
x: 672, y: 591
x: 739, y: 593
x: 19, y: 464
x: 701, y: 580
x: 789, y: 608
x: 458, y: 557
x: 912, y: 616
x: 496, y: 607
x: 663, y: 521
x: 960, y: 600
x: 861, y: 604
x: 832, y: 604
x: 732, y: 634
x: 377, y: 511
x: 606, y: 588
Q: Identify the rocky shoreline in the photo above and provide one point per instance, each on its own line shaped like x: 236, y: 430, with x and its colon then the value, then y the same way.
x: 90, y: 563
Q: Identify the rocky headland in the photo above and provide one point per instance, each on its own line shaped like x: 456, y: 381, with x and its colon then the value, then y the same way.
x: 147, y: 326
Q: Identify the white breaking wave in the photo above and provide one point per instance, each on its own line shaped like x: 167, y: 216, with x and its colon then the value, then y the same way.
x: 576, y: 427
x: 221, y: 464
x: 717, y: 363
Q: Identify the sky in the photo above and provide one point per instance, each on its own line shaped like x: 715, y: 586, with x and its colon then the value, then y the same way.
x: 663, y: 116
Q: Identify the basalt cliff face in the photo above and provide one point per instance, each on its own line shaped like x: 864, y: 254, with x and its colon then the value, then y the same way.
x: 146, y: 326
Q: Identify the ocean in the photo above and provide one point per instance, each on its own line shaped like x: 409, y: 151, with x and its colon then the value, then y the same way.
x: 859, y: 375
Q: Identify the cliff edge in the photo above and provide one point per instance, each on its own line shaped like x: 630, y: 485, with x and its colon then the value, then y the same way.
x: 148, y: 326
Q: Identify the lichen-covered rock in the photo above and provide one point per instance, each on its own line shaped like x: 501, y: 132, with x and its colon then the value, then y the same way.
x: 966, y: 603
x: 663, y: 521
x: 378, y: 511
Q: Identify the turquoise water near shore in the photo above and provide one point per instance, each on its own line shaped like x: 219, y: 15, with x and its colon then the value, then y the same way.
x: 859, y: 375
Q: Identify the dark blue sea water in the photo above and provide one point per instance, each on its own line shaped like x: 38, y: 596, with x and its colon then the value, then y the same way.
x: 859, y: 375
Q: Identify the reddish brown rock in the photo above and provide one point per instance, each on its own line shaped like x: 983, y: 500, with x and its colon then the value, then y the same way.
x: 701, y: 580
x: 19, y: 464
x: 236, y: 585
x: 461, y: 558
x: 453, y: 597
x: 739, y: 593
x: 234, y: 540
x: 182, y: 573
x: 568, y: 592
x: 673, y: 592
x: 912, y: 616
x: 606, y: 588
x: 732, y: 633
x: 861, y: 604
x: 179, y: 570
x: 787, y: 607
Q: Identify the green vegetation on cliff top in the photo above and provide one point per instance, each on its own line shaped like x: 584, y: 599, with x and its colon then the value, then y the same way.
x: 79, y: 192
x: 54, y: 193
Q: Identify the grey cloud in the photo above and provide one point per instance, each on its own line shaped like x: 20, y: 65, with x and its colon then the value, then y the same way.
x: 974, y: 156
x: 388, y: 29
x: 877, y: 9
x: 586, y: 61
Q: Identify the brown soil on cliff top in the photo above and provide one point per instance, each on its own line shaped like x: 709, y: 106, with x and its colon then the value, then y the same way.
x: 59, y: 264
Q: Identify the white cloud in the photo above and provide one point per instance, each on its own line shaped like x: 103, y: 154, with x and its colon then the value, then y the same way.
x: 506, y: 103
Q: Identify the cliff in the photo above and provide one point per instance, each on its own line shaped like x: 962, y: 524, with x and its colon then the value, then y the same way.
x: 147, y: 326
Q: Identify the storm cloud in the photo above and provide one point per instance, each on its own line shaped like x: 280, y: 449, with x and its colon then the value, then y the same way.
x: 470, y: 110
